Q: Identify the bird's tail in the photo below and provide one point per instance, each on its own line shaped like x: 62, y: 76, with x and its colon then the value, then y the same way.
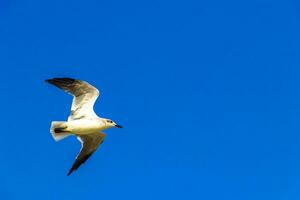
x: 59, y: 130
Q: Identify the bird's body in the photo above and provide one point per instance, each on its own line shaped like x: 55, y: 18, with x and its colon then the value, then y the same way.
x: 83, y: 121
x: 85, y: 126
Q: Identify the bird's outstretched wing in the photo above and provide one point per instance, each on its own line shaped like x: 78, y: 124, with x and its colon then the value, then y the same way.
x: 84, y: 95
x: 89, y: 143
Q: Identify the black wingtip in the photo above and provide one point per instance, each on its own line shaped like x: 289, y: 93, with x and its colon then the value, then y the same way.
x: 79, y: 162
x: 72, y: 169
x: 69, y: 173
x: 63, y: 79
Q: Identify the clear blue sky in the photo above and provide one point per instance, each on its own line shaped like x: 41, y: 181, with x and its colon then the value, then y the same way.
x: 208, y: 93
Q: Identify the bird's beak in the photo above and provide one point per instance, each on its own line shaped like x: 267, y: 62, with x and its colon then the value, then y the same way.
x: 118, y: 126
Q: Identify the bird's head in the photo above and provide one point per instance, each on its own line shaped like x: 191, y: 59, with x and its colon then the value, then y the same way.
x: 110, y: 123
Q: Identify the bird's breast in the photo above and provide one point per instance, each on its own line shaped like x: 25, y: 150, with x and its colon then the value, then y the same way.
x: 85, y: 126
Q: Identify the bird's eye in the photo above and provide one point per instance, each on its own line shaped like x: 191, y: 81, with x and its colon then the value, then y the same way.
x: 109, y: 121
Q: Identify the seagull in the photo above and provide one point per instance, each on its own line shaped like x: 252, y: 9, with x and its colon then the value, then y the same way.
x: 83, y: 122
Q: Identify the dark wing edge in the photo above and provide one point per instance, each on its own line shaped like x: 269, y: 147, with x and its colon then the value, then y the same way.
x: 72, y: 86
x: 62, y: 83
x: 79, y: 162
x: 90, y: 144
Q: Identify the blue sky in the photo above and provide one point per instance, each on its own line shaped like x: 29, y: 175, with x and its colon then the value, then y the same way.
x: 207, y: 92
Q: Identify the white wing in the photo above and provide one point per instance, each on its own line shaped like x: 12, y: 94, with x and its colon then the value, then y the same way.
x: 84, y: 95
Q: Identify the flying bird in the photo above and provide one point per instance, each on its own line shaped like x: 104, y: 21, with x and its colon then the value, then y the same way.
x: 82, y: 122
